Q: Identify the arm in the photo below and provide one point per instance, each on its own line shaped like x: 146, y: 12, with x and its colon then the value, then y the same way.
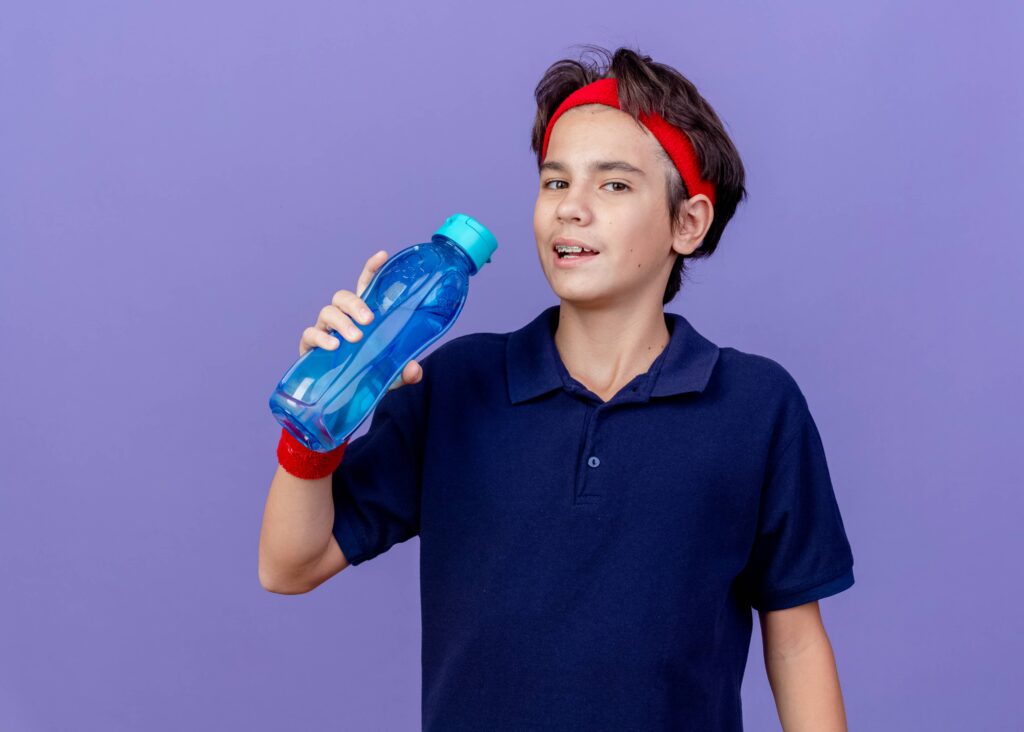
x: 802, y: 670
x: 297, y: 549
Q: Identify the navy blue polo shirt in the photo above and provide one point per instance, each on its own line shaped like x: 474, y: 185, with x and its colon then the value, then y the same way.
x: 591, y: 565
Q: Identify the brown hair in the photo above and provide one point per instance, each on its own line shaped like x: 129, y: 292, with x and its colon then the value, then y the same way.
x: 646, y: 85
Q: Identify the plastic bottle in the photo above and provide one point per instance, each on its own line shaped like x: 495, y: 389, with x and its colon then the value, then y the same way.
x: 415, y: 297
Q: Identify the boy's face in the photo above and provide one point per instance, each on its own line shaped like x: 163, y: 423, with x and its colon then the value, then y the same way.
x: 622, y: 214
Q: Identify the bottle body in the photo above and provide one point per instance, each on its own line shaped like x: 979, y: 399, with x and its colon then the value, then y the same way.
x: 415, y: 297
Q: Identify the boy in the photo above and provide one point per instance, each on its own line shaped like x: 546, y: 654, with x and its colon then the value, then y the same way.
x: 602, y: 495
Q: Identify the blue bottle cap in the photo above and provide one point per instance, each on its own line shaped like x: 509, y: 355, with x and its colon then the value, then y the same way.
x: 472, y: 236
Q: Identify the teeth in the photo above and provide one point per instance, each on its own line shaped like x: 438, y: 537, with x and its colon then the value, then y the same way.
x: 567, y: 248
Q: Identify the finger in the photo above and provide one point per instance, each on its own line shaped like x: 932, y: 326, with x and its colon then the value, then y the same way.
x: 352, y: 305
x: 313, y: 337
x: 412, y: 372
x: 372, y: 265
x: 334, y: 318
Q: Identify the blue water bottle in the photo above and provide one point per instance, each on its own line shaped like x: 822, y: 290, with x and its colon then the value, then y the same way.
x: 415, y: 297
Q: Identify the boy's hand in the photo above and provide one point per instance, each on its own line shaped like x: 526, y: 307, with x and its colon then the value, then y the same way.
x: 347, y: 306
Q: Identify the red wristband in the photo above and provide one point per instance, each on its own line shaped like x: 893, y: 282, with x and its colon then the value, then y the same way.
x: 304, y: 463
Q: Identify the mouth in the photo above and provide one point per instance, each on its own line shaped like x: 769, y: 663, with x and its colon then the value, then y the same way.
x: 572, y: 249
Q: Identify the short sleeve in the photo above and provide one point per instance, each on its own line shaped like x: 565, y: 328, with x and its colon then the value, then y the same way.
x: 801, y: 552
x: 376, y: 487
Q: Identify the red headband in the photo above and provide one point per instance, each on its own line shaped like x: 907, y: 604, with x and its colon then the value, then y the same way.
x: 672, y: 139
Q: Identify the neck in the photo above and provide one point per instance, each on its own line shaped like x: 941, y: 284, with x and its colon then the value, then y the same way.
x: 604, y: 349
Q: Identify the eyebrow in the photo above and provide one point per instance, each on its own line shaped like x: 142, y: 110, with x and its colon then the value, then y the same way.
x: 601, y: 165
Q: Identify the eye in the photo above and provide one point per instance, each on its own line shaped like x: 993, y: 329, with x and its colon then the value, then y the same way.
x: 547, y: 184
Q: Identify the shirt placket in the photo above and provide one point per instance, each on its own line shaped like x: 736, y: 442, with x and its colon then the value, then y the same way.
x: 588, y: 463
x: 588, y: 487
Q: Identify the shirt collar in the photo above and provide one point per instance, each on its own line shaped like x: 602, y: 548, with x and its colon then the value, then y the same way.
x: 534, y: 366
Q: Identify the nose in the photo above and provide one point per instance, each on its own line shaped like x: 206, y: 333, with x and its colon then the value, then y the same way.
x: 573, y: 206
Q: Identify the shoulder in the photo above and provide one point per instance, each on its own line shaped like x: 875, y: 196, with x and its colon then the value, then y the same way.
x: 469, y: 350
x: 757, y: 374
x: 765, y: 392
x: 464, y: 365
x: 467, y: 359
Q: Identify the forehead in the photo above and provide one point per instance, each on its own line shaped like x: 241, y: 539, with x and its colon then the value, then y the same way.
x: 597, y: 130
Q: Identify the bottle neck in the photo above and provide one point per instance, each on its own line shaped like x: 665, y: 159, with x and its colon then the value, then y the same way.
x: 467, y: 260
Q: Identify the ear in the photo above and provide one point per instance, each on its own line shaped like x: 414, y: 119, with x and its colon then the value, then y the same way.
x: 695, y: 217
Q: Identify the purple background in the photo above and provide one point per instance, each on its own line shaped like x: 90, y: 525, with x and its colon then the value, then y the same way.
x: 183, y: 187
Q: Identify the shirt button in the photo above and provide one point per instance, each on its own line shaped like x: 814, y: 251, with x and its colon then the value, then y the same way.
x: 593, y: 461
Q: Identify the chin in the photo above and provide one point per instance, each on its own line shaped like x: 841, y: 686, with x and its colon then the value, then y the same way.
x: 582, y: 295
